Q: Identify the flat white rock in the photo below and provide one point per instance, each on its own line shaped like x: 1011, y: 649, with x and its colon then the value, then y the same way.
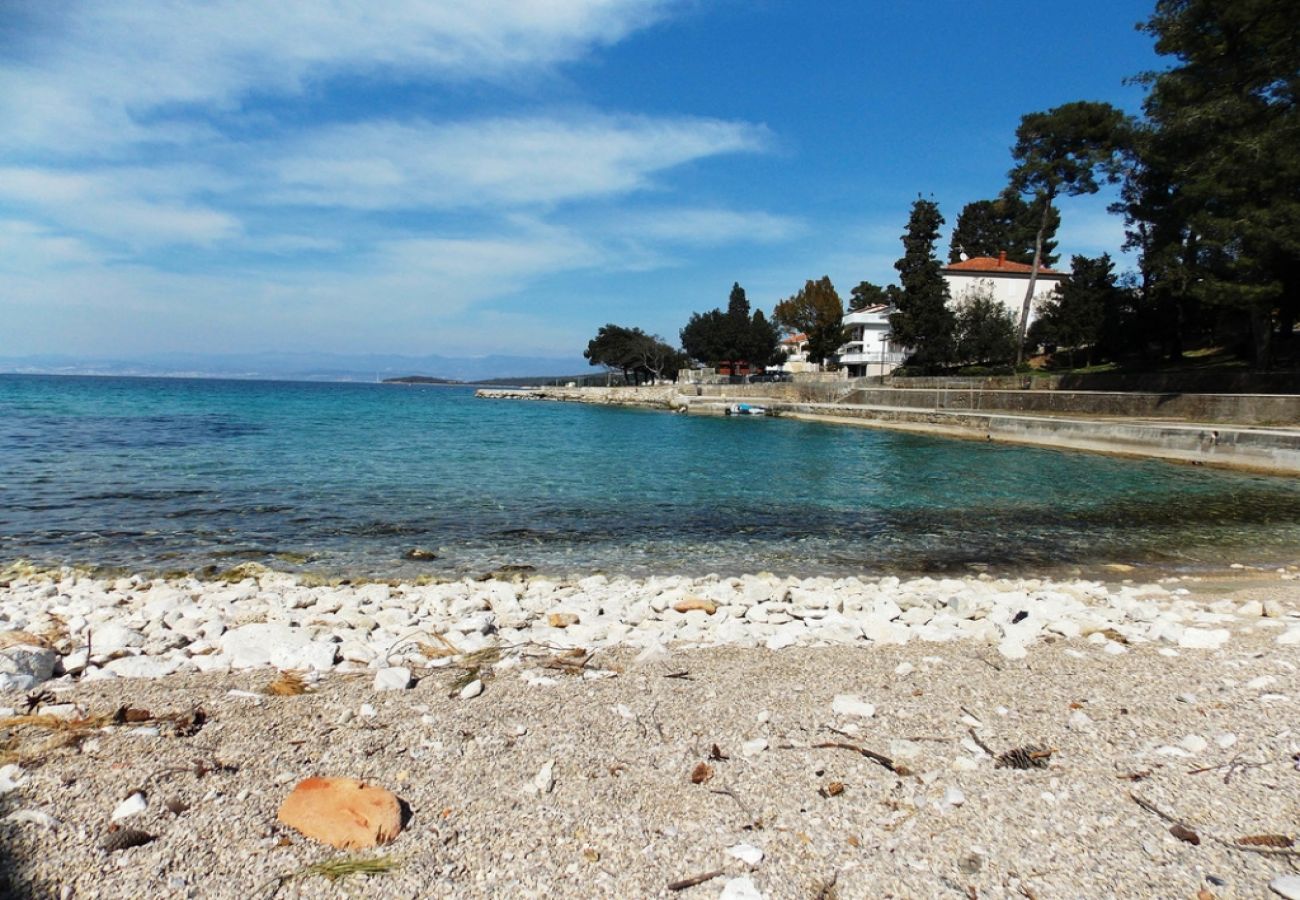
x: 11, y: 776
x: 394, y: 678
x: 130, y: 806
x: 1287, y: 886
x: 34, y: 816
x: 747, y: 853
x: 852, y: 705
x: 754, y: 747
x: 742, y: 888
x: 1203, y: 638
x: 544, y: 781
x: 471, y: 690
x: 141, y: 666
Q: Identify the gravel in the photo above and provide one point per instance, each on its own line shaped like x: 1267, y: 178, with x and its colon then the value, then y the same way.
x: 568, y: 774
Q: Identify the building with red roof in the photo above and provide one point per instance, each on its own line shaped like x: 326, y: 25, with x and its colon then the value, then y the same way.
x: 1000, y: 279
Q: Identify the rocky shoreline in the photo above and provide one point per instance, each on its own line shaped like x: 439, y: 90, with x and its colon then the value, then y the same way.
x: 732, y: 738
x: 67, y: 625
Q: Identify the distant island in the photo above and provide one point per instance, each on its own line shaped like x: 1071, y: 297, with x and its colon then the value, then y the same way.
x: 525, y: 381
x: 421, y: 379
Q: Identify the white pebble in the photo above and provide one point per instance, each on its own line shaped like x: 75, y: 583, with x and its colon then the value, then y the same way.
x: 754, y: 747
x: 852, y: 705
x: 130, y: 807
x: 747, y: 853
x: 471, y: 690
x: 742, y: 888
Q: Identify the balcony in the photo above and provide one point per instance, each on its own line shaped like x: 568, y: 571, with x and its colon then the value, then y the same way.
x: 878, y: 357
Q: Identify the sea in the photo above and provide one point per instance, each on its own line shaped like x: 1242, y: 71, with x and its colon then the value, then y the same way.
x: 160, y: 476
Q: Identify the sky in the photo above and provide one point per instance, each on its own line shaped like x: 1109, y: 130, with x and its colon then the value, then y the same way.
x: 465, y: 177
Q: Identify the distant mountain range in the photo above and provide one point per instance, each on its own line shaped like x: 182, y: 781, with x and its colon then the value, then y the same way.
x: 300, y: 366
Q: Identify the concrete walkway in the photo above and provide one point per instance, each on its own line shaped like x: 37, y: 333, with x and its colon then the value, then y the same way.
x: 1268, y: 449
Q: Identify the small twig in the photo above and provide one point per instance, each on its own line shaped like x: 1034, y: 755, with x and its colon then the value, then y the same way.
x: 1230, y: 768
x: 655, y: 719
x: 983, y: 746
x: 869, y: 754
x: 686, y: 676
x: 972, y: 715
x: 988, y: 662
x: 727, y: 793
x: 694, y: 880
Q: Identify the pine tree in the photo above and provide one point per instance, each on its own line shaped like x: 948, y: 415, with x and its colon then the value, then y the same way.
x: 1225, y: 141
x: 923, y: 321
x: 1008, y: 223
x: 1060, y: 152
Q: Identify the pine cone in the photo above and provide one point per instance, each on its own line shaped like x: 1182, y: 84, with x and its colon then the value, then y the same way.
x: 1028, y: 757
x: 125, y: 838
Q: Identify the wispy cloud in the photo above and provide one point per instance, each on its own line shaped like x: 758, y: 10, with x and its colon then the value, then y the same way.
x: 126, y: 205
x: 502, y: 162
x: 708, y: 227
x: 88, y: 78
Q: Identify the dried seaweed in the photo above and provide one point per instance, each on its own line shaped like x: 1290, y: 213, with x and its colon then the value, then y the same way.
x: 288, y: 684
x: 1280, y: 841
x: 333, y: 869
x: 701, y: 773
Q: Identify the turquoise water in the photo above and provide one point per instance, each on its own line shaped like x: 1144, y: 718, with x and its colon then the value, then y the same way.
x: 167, y: 474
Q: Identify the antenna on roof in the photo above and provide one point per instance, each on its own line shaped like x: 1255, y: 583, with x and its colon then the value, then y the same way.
x: 962, y: 255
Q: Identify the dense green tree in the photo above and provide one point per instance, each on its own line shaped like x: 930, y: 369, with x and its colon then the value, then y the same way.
x: 868, y: 294
x: 706, y: 337
x: 733, y: 336
x: 764, y: 342
x: 816, y: 311
x: 1061, y: 152
x: 1216, y: 193
x: 988, y: 227
x: 986, y: 331
x: 1073, y: 317
x: 923, y: 320
x: 634, y: 353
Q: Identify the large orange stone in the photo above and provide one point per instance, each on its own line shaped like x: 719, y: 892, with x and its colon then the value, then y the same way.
x: 342, y: 812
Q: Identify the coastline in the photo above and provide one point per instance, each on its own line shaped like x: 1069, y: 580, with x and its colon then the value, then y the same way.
x: 1155, y: 689
x: 1255, y: 449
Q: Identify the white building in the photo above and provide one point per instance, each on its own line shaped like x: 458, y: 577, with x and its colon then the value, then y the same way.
x: 1001, y: 280
x: 869, y: 350
x: 796, y: 355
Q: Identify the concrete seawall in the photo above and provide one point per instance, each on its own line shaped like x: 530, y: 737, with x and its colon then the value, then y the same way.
x: 1274, y: 450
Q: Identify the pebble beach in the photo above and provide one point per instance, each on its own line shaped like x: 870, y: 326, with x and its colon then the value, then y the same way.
x: 615, y: 737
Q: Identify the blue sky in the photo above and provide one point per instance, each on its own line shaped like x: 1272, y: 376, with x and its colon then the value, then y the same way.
x: 498, y: 176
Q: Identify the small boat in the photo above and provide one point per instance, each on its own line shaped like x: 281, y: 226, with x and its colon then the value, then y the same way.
x: 745, y: 409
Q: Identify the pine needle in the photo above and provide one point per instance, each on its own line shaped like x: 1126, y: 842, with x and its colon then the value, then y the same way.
x: 334, y: 869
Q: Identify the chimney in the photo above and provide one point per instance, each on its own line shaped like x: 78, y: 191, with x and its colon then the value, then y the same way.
x: 1002, y: 258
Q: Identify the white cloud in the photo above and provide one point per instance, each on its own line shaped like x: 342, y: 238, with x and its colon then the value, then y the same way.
x: 28, y: 247
x: 94, y: 76
x: 139, y: 207
x: 709, y: 227
x: 499, y: 161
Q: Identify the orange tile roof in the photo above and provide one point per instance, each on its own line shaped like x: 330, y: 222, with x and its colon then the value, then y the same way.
x: 1000, y: 264
x: 795, y: 339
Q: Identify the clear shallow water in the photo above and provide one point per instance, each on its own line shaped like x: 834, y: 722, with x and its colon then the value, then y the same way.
x: 170, y: 474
